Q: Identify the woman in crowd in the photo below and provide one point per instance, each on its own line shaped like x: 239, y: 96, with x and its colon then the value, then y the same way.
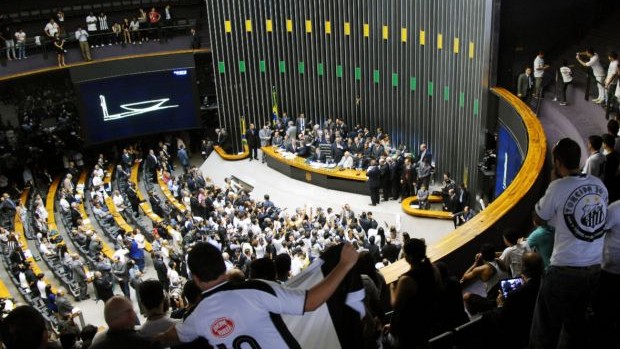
x: 59, y: 45
x: 414, y: 299
x: 126, y: 34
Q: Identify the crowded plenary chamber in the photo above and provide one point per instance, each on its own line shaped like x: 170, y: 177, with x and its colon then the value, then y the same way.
x: 317, y: 174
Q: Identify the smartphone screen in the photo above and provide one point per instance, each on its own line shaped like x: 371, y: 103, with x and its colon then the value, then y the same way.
x: 509, y: 285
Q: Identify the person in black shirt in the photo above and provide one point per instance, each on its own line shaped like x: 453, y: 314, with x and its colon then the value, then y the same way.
x: 251, y: 137
x: 373, y: 173
x: 390, y: 251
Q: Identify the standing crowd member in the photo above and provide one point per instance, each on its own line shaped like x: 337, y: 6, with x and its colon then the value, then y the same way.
x: 81, y: 36
x: 260, y: 325
x: 539, y: 72
x: 597, y: 69
x: 575, y: 204
x: 566, y: 74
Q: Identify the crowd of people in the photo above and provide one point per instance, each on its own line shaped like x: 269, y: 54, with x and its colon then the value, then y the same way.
x: 393, y: 171
x: 97, y: 31
x: 530, y: 83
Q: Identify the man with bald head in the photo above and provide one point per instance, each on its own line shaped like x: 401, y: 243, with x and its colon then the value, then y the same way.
x: 121, y: 319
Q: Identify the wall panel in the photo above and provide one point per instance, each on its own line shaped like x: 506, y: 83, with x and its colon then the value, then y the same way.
x: 430, y: 87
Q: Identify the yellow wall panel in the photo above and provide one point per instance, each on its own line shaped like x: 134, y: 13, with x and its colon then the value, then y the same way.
x: 248, y: 25
x: 439, y: 41
x: 308, y: 26
x: 347, y: 28
x: 471, y: 50
x: 403, y: 34
x: 422, y: 37
x: 386, y: 32
x: 456, y: 45
x: 328, y: 27
x: 289, y: 25
x: 269, y: 25
x: 366, y: 30
x: 227, y: 26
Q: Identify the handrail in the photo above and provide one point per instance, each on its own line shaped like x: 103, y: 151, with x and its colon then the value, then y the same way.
x: 516, y: 191
x: 232, y: 157
x: 109, y: 59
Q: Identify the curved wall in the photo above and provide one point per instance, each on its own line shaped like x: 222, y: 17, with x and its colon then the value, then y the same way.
x: 512, y: 209
x: 417, y: 68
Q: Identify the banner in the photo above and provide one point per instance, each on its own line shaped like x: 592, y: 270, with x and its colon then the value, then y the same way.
x: 274, y: 110
x: 337, y: 323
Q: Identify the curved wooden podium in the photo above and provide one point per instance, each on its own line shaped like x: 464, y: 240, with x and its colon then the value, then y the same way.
x: 516, y: 191
x: 232, y: 157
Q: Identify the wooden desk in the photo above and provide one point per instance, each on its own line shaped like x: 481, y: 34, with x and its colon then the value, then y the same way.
x: 232, y: 157
x: 344, y: 180
x: 406, y: 206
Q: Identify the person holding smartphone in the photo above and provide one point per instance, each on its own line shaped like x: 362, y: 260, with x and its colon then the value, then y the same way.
x: 514, y: 311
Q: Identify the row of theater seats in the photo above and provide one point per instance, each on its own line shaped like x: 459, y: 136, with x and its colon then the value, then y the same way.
x: 36, y: 301
x: 54, y: 262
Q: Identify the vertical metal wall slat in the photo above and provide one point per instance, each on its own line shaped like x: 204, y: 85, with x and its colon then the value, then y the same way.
x: 410, y: 117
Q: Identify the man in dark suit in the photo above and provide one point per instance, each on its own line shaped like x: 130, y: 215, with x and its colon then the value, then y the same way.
x: 525, y: 84
x: 103, y: 287
x: 390, y: 251
x: 251, y: 136
x: 407, y: 180
x: 374, y: 182
x: 452, y: 205
x: 374, y: 249
x: 162, y: 270
x: 195, y: 40
x: 386, y: 185
x: 152, y: 164
x: 463, y: 195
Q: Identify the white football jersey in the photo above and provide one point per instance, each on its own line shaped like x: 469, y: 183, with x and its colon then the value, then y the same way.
x: 244, y: 316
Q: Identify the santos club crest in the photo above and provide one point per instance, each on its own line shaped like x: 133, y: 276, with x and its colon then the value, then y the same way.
x: 585, y: 211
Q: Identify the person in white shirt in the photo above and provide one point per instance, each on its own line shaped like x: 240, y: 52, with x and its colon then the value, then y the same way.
x: 262, y: 303
x: 567, y: 79
x: 598, y: 71
x: 346, y: 161
x: 81, y: 36
x: 134, y: 29
x: 611, y: 82
x: 51, y: 28
x: 539, y: 72
x: 575, y: 204
x: 595, y: 165
x: 118, y: 201
x: 20, y: 43
x: 91, y: 25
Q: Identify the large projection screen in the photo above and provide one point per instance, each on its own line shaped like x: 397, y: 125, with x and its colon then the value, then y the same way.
x: 136, y: 97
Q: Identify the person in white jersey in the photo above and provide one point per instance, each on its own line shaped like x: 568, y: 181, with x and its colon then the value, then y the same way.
x: 611, y: 81
x: 575, y: 204
x: 248, y: 314
x: 598, y: 71
x: 539, y: 72
x: 595, y: 164
x: 567, y: 79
